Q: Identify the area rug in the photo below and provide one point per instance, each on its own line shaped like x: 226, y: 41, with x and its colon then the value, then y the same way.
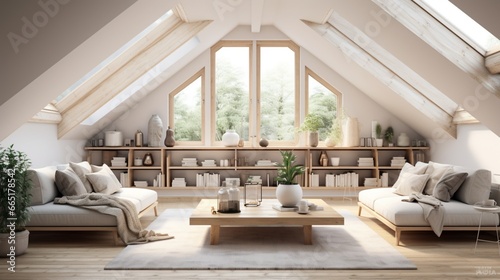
x: 351, y: 246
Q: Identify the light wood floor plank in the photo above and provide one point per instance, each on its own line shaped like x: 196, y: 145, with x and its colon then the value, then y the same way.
x: 83, y: 255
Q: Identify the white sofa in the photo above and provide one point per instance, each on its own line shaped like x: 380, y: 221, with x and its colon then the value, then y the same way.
x: 387, y: 204
x: 47, y: 216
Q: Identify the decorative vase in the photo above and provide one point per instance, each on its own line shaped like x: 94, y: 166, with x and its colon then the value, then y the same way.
x: 230, y: 138
x: 350, y: 132
x: 169, y: 139
x: 380, y: 142
x: 22, y: 241
x: 403, y: 140
x: 323, y: 159
x: 263, y: 142
x: 148, y: 159
x: 155, y: 131
x: 289, y: 195
x: 139, y: 138
x: 329, y: 142
x: 313, y: 138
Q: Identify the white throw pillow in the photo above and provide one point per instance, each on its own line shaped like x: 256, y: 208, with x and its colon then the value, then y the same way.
x: 435, y: 171
x: 418, y: 169
x: 82, y: 168
x: 103, y: 182
x: 411, y: 183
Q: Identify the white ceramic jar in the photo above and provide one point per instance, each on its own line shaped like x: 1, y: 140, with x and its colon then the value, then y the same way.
x: 230, y: 138
x: 403, y: 140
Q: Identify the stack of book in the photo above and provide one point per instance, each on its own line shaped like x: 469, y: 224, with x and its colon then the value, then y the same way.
x: 178, y: 182
x: 398, y: 161
x: 371, y: 182
x: 124, y: 179
x: 189, y: 162
x: 141, y: 184
x: 365, y: 161
x: 158, y: 181
x: 314, y: 180
x: 208, y: 162
x: 207, y: 179
x: 349, y: 179
x: 264, y: 162
x: 118, y: 162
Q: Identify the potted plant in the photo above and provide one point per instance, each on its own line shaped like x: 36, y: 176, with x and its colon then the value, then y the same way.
x: 15, y: 198
x: 378, y: 134
x: 312, y: 123
x: 389, y: 136
x: 288, y: 192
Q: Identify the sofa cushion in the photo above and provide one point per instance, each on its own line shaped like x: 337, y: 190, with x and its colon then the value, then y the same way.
x: 81, y: 169
x: 448, y: 185
x: 103, y: 182
x: 411, y: 183
x: 141, y: 198
x: 368, y: 197
x: 476, y: 187
x: 457, y: 213
x: 61, y: 215
x: 44, y: 187
x: 68, y: 183
x: 419, y: 168
x: 436, y: 172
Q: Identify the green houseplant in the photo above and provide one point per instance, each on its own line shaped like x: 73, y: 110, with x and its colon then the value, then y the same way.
x: 389, y: 136
x: 312, y: 123
x: 288, y: 192
x: 378, y: 134
x: 15, y: 198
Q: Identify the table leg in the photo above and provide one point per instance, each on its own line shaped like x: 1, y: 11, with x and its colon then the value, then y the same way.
x: 308, y: 234
x: 214, y: 234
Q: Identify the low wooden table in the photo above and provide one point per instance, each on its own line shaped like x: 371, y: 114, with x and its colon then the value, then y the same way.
x: 263, y: 215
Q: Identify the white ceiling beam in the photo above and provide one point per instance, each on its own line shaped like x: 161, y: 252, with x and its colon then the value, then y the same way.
x: 387, y: 76
x: 257, y: 10
x: 49, y: 114
x: 492, y: 62
x: 449, y: 45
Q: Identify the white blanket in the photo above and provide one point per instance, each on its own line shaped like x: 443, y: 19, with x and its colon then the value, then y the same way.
x: 433, y: 213
x: 128, y: 224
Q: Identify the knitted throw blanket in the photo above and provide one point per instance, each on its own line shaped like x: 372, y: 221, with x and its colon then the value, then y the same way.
x: 433, y: 213
x: 128, y: 224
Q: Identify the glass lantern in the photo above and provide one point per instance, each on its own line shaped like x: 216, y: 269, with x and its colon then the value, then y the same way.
x: 228, y: 198
x: 252, y: 194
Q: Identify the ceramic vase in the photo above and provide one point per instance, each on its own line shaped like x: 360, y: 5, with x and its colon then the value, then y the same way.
x: 169, y: 139
x: 313, y: 139
x: 403, y: 140
x: 230, y: 138
x: 148, y: 159
x: 263, y: 142
x: 155, y: 131
x: 350, y: 132
x: 289, y: 195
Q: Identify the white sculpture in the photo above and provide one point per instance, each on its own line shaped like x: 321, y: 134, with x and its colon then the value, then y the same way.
x: 155, y: 131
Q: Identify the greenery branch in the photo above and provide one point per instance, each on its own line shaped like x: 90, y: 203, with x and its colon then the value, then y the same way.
x: 287, y: 170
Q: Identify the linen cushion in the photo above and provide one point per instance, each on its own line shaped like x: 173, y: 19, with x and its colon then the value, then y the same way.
x: 411, y: 183
x: 436, y: 172
x: 81, y: 169
x: 448, y: 185
x: 475, y: 188
x: 419, y: 168
x: 103, y: 182
x: 68, y: 183
x: 44, y: 186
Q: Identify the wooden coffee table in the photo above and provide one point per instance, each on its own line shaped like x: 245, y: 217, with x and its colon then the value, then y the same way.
x: 263, y: 215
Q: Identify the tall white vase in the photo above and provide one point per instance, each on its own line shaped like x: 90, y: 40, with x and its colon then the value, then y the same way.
x: 155, y: 131
x: 350, y: 132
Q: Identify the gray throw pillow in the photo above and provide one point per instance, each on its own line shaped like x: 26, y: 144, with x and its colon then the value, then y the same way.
x: 68, y: 183
x: 448, y: 185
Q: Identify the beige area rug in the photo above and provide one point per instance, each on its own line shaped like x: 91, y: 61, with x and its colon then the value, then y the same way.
x: 352, y: 246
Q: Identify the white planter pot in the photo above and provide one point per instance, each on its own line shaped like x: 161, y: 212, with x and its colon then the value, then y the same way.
x: 22, y: 240
x: 289, y: 195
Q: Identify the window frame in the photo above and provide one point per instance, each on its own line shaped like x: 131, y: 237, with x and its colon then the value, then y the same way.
x: 171, y: 104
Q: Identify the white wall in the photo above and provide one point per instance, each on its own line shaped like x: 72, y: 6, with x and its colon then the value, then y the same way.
x: 40, y: 143
x: 475, y: 147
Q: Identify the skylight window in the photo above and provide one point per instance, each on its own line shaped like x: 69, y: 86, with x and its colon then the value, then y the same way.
x: 462, y: 25
x: 138, y: 84
x: 113, y: 56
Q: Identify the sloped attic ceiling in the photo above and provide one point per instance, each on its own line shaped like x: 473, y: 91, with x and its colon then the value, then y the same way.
x: 431, y: 72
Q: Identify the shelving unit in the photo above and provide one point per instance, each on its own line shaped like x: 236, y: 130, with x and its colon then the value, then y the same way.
x: 167, y: 161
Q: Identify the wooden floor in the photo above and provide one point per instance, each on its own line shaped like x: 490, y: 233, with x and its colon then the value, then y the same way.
x: 84, y: 255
